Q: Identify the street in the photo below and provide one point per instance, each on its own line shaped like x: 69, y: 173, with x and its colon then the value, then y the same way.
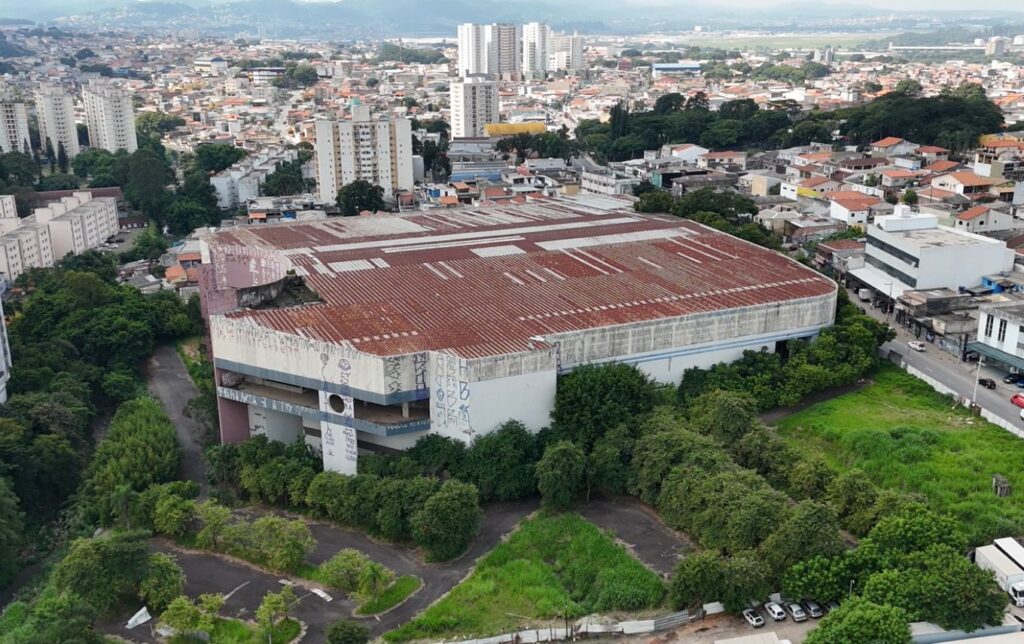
x: 951, y: 372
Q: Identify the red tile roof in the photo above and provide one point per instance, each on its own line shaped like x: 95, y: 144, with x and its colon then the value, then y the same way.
x: 887, y: 142
x: 481, y: 281
x: 972, y: 213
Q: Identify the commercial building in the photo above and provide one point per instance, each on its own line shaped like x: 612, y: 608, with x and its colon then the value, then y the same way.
x: 377, y: 151
x: 474, y: 103
x: 367, y: 333
x: 1000, y: 335
x: 56, y: 112
x: 14, y: 135
x: 910, y: 251
x: 110, y: 117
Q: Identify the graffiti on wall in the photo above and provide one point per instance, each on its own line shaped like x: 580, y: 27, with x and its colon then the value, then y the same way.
x: 449, y: 396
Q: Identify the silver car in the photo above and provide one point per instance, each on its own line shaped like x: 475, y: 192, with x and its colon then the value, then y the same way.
x: 797, y: 612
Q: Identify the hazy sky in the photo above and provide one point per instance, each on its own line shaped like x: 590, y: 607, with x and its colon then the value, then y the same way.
x: 881, y: 5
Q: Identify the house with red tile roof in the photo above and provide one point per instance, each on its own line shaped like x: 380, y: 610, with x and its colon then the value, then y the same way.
x: 893, y: 146
x: 984, y: 219
x: 853, y: 208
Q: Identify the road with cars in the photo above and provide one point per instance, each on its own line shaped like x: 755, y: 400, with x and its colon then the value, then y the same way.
x: 953, y: 373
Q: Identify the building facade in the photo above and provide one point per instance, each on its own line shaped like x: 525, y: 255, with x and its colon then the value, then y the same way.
x: 110, y: 117
x: 535, y: 50
x: 56, y: 112
x: 910, y: 251
x: 377, y: 151
x: 14, y: 135
x: 474, y: 104
x: 242, y: 181
x: 414, y: 325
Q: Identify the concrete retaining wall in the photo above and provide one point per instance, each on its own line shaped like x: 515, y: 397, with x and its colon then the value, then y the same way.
x: 943, y: 389
x: 636, y: 627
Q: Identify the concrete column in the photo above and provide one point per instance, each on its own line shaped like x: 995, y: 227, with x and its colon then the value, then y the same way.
x: 405, y: 410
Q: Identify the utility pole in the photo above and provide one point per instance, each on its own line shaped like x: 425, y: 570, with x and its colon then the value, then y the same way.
x: 977, y: 379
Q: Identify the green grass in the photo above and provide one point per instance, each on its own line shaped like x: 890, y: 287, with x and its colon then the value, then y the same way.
x: 393, y: 595
x: 14, y: 615
x: 552, y: 565
x: 233, y: 631
x: 907, y: 437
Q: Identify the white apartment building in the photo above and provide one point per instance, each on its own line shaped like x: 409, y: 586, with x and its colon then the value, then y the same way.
x: 495, y: 50
x: 911, y: 251
x: 241, y: 182
x: 56, y: 112
x: 72, y: 225
x: 1001, y: 335
x: 474, y: 104
x: 13, y: 125
x: 565, y: 52
x: 535, y: 49
x: 78, y: 223
x: 214, y: 66
x: 377, y: 151
x: 110, y: 117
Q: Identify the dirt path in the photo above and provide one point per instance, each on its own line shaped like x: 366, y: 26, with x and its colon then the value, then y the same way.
x: 636, y: 525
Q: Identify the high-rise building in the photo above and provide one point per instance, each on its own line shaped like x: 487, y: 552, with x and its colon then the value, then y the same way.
x: 494, y: 49
x: 565, y: 52
x: 56, y: 112
x: 377, y: 151
x: 535, y: 49
x: 13, y: 125
x: 110, y: 117
x: 505, y: 51
x: 472, y: 49
x: 474, y: 104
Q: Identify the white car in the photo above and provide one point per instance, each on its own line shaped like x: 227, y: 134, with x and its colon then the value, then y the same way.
x: 797, y: 611
x: 916, y: 345
x: 753, y: 618
x: 775, y: 611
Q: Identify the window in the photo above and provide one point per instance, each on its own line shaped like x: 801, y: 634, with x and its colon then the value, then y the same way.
x: 988, y: 326
x: 1002, y: 330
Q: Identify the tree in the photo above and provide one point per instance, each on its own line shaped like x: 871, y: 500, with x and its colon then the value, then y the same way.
x: 657, y: 201
x: 274, y: 607
x: 344, y: 570
x: 218, y: 156
x: 811, y: 529
x: 59, y: 182
x: 347, y: 631
x: 185, y: 215
x: 859, y: 620
x: 163, y: 582
x: 62, y: 157
x: 698, y: 579
x: 173, y: 515
x: 809, y: 478
x: 148, y: 176
x: 448, y: 520
x: 501, y: 464
x: 359, y: 196
x: 11, y: 523
x: 608, y: 463
x: 374, y: 579
x: 209, y: 610
x: 285, y: 180
x: 908, y: 87
x: 740, y: 109
x: 915, y: 530
x: 910, y: 197
x: 725, y: 415
x: 213, y: 518
x: 668, y: 103
x: 561, y: 473
x: 103, y: 571
x: 851, y: 493
x: 594, y: 398
x: 181, y: 615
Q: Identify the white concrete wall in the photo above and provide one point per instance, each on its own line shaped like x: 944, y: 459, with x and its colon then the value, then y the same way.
x: 274, y: 424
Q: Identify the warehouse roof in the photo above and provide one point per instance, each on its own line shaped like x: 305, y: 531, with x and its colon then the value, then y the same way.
x: 483, y: 281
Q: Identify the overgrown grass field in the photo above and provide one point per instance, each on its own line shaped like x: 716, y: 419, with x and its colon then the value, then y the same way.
x: 399, y: 590
x: 552, y: 566
x: 907, y: 437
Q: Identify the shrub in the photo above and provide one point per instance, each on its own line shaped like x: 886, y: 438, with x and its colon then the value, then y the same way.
x: 348, y: 632
x: 561, y: 473
x: 500, y: 464
x: 344, y: 570
x: 448, y: 521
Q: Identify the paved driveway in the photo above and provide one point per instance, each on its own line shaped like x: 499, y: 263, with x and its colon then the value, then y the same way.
x: 170, y: 383
x: 636, y: 525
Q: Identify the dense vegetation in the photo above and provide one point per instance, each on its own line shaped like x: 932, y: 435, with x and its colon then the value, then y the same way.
x: 551, y: 567
x: 953, y: 120
x: 729, y: 212
x: 390, y: 52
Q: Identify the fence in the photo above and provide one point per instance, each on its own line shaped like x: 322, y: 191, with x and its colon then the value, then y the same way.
x: 553, y: 634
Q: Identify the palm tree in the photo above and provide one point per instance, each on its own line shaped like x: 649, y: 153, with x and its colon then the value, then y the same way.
x: 374, y: 580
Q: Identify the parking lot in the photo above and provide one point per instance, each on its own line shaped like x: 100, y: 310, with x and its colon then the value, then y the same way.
x: 725, y: 626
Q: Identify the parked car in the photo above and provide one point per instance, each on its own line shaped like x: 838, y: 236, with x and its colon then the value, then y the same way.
x: 1012, y: 378
x: 987, y: 383
x: 753, y: 618
x: 916, y: 345
x: 797, y: 612
x: 831, y: 606
x: 1020, y: 383
x: 812, y: 607
x: 1018, y: 399
x: 1022, y: 414
x: 775, y: 611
